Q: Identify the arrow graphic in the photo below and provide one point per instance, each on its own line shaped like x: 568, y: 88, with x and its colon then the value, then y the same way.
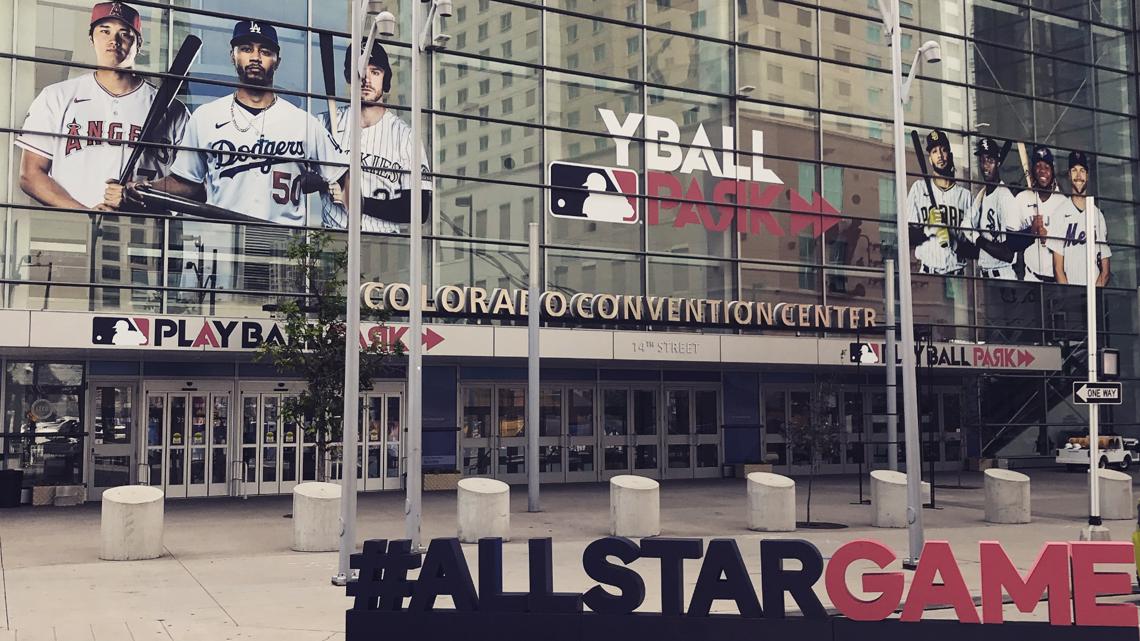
x: 1083, y: 392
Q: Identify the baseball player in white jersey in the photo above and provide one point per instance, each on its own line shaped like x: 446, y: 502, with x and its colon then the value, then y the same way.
x: 1038, y: 206
x: 260, y: 145
x: 939, y: 236
x: 1070, y: 262
x: 73, y: 136
x: 385, y: 154
x: 995, y: 213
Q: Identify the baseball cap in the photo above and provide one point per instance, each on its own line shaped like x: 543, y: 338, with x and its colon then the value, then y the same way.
x: 1041, y: 153
x: 124, y: 13
x: 937, y: 138
x: 378, y: 58
x: 254, y: 31
x: 1078, y: 158
x: 987, y: 147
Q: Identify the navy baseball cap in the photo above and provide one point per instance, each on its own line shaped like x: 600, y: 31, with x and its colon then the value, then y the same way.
x: 255, y: 31
x: 987, y: 147
x: 937, y: 138
x: 1041, y: 153
x: 1079, y: 158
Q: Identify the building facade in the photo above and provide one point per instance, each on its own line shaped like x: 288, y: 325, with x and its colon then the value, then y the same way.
x: 713, y: 183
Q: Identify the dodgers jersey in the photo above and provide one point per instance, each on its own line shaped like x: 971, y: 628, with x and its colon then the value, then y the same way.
x: 995, y: 213
x: 954, y: 204
x: 266, y: 188
x: 64, y: 114
x: 385, y: 167
x: 1070, y: 226
x: 1037, y: 258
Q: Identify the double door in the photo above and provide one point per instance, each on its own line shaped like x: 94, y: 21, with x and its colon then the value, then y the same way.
x: 275, y: 452
x: 493, y: 433
x: 661, y: 431
x: 187, y: 437
x: 380, y: 454
x: 112, y: 413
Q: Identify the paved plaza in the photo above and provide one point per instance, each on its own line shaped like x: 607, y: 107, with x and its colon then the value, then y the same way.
x: 229, y: 572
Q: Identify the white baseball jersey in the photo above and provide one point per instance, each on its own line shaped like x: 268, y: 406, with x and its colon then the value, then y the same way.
x: 1037, y: 258
x: 65, y: 114
x: 1070, y: 225
x: 385, y: 163
x: 267, y: 188
x: 954, y: 204
x: 995, y: 213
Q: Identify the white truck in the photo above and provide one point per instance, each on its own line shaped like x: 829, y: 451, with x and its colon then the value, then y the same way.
x: 1114, y: 450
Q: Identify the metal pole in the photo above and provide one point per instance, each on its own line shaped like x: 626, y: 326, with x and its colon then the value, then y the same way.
x: 351, y: 412
x: 889, y: 355
x: 413, y: 508
x: 534, y: 311
x: 1091, y: 320
x: 910, y: 402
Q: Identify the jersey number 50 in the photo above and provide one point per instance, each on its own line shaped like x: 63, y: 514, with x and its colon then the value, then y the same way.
x: 286, y: 188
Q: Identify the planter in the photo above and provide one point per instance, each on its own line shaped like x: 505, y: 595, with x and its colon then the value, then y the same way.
x: 441, y: 481
x: 70, y: 495
x: 742, y: 470
x: 43, y: 495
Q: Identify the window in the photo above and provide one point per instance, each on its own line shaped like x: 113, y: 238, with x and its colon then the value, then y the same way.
x: 528, y: 155
x: 505, y: 220
x: 843, y: 88
x: 874, y: 96
x: 771, y: 8
x: 442, y: 76
x: 572, y: 33
x: 574, y: 149
x: 532, y: 39
x: 528, y: 208
x: 906, y: 9
x: 572, y: 61
x: 530, y: 97
x: 842, y: 54
x: 442, y: 130
x: 805, y: 47
x: 599, y: 53
x: 906, y: 40
x: 484, y: 5
x: 598, y: 25
x: 505, y: 22
x: 508, y: 80
x: 506, y: 48
x: 442, y: 155
x: 484, y: 87
x: 461, y: 42
x: 631, y: 12
x: 461, y: 149
x: 460, y: 14
x: 483, y: 113
x: 875, y: 61
x: 874, y: 33
x: 842, y: 24
x: 775, y: 73
x: 461, y: 97
x: 484, y: 31
x: 573, y: 91
x: 573, y: 119
x: 484, y: 143
x: 803, y: 16
x: 462, y: 126
x: 772, y: 38
x: 462, y: 69
x: 483, y: 168
x: 632, y: 44
x: 481, y: 223
x: 508, y: 106
x: 807, y: 81
x: 698, y: 19
x: 505, y: 137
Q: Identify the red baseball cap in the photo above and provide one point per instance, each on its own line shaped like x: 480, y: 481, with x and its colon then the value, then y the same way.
x: 119, y: 11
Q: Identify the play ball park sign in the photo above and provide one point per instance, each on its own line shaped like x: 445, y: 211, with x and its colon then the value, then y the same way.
x: 1067, y: 578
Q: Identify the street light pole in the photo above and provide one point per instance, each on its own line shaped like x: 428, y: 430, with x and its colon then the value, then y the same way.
x: 413, y: 506
x: 1095, y: 530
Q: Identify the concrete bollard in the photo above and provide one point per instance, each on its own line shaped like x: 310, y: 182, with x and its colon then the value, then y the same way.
x: 1007, y: 496
x: 635, y: 506
x: 130, y: 523
x: 316, y: 517
x: 888, y: 498
x: 1115, y: 495
x: 771, y: 502
x: 484, y: 509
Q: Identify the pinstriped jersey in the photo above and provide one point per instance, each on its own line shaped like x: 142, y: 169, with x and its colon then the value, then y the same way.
x: 80, y: 128
x: 385, y: 163
x: 996, y: 213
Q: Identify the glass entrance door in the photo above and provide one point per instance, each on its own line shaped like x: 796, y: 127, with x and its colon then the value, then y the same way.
x: 380, y: 455
x: 493, y: 432
x: 692, y: 432
x: 113, y: 420
x: 567, y: 441
x: 187, y: 443
x: 272, y: 446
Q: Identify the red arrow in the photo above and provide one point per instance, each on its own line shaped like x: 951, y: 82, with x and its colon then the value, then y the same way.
x: 1025, y: 358
x: 431, y: 338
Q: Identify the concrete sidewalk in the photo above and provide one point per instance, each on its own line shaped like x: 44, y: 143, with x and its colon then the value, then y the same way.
x: 229, y: 572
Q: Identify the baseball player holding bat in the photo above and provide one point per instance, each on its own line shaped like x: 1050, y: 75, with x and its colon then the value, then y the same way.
x: 1070, y: 265
x: 385, y: 152
x: 1038, y: 206
x: 995, y: 213
x: 75, y: 130
x: 260, y: 146
x: 936, y: 213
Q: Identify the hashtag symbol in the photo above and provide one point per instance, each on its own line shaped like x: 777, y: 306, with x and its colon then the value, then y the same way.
x: 383, y: 582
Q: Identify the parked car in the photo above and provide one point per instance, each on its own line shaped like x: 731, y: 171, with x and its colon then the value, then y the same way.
x: 1114, y: 450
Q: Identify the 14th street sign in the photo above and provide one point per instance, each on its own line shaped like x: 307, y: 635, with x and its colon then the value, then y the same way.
x: 1088, y: 393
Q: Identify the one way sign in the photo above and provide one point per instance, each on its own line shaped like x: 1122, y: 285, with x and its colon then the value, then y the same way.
x: 1088, y: 393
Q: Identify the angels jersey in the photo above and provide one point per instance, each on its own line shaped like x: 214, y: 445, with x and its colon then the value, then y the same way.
x: 995, y: 214
x: 385, y: 164
x: 1037, y: 258
x: 954, y: 205
x: 1070, y: 226
x: 66, y: 117
x: 266, y: 188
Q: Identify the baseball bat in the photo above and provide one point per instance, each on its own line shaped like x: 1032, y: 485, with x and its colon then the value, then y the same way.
x: 162, y: 99
x: 1004, y: 152
x: 160, y: 199
x: 1026, y: 168
x: 914, y: 137
x: 327, y: 66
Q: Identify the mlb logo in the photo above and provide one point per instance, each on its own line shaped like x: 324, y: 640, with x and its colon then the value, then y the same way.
x: 595, y: 193
x: 119, y: 330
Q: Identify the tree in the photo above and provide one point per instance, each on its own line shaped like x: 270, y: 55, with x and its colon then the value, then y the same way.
x: 819, y: 432
x: 314, y: 325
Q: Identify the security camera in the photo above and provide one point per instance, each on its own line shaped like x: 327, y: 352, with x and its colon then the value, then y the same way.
x: 932, y: 51
x: 443, y: 8
x: 440, y: 40
x: 374, y: 7
x: 386, y: 24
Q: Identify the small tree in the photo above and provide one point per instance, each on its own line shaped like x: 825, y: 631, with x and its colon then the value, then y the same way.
x: 819, y: 433
x: 315, y: 327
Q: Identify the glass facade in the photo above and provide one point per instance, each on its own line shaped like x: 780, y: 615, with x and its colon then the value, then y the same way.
x: 745, y: 147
